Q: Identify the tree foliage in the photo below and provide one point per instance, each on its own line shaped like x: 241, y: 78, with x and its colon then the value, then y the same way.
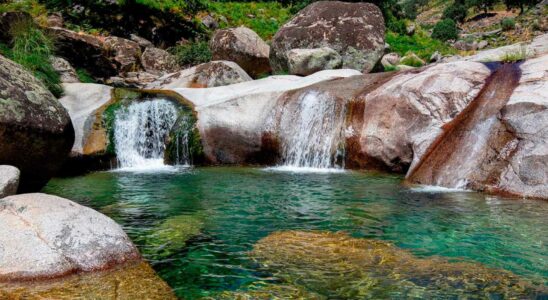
x: 445, y: 30
x: 521, y: 4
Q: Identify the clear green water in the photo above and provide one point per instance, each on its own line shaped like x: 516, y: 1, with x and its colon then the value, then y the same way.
x: 235, y: 207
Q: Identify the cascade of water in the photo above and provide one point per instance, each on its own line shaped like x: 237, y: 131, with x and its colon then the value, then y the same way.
x: 140, y: 132
x: 311, y: 130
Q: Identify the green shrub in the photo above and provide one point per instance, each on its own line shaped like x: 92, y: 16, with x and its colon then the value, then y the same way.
x: 192, y: 53
x: 420, y: 43
x: 32, y: 49
x: 515, y: 56
x: 409, y: 9
x: 508, y: 24
x: 397, y: 26
x: 411, y: 60
x: 84, y: 76
x: 445, y: 30
x: 456, y: 12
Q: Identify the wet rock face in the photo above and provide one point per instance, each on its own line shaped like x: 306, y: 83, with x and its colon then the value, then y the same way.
x: 44, y: 236
x: 9, y: 180
x: 402, y: 117
x: 338, y: 266
x: 242, y: 46
x: 36, y: 133
x: 130, y: 281
x: 526, y: 118
x: 354, y: 30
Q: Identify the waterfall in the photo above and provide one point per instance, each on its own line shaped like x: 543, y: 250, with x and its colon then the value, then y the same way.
x: 141, y: 131
x: 311, y: 129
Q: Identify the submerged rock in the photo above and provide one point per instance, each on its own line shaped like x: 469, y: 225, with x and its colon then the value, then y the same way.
x: 134, y: 280
x: 44, y: 236
x: 172, y: 234
x: 267, y: 292
x: 336, y: 265
x: 211, y: 74
x: 36, y: 133
x: 354, y: 30
x: 242, y: 46
x: 9, y: 180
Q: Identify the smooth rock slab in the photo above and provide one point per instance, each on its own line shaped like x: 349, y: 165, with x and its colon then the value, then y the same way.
x: 44, y: 236
x: 9, y: 180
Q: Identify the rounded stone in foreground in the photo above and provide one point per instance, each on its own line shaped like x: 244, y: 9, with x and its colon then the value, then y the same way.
x: 44, y: 236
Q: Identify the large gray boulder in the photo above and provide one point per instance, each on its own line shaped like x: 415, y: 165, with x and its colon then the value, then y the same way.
x: 67, y: 73
x: 354, y: 30
x: 211, y: 74
x: 308, y: 61
x: 36, y: 133
x: 242, y: 46
x: 9, y: 180
x: 44, y: 236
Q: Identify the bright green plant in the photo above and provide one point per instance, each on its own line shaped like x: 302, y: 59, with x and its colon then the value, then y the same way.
x: 84, y: 76
x: 192, y: 53
x: 420, y: 43
x: 445, y: 30
x: 32, y: 49
x: 515, y: 56
x: 508, y: 24
x: 456, y: 12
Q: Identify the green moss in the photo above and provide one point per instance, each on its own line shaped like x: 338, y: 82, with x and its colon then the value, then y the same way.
x: 84, y: 76
x: 171, y: 235
x: 192, y: 53
x: 109, y: 115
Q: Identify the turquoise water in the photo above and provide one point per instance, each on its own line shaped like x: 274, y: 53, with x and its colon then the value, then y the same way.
x: 222, y: 212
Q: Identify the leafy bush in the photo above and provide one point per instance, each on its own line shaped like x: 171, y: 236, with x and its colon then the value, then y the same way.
x: 192, y: 53
x: 412, y: 60
x: 445, y: 30
x: 32, y: 49
x: 508, y: 24
x: 409, y: 9
x: 456, y: 12
x: 397, y: 26
x: 268, y: 17
x: 420, y: 43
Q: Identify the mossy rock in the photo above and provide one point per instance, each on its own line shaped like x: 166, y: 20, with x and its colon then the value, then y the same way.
x: 172, y: 235
x: 339, y: 266
x: 130, y: 281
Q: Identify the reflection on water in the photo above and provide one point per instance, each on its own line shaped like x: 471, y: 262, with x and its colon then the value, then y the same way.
x: 227, y: 210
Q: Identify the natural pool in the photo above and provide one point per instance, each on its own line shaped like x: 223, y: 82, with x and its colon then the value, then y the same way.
x: 196, y: 226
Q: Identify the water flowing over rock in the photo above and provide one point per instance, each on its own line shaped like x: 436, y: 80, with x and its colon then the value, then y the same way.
x: 341, y: 267
x: 311, y: 131
x: 36, y: 133
x: 45, y: 236
x: 242, y: 46
x: 403, y: 116
x: 232, y: 120
x: 354, y: 30
x: 141, y: 131
x: 475, y: 138
x: 9, y: 180
x: 211, y: 74
x: 499, y: 144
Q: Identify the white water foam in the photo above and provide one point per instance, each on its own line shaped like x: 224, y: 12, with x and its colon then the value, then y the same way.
x: 311, y: 130
x: 140, y: 134
x: 437, y: 189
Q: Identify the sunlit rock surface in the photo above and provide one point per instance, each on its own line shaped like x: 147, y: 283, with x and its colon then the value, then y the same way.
x: 44, y: 236
x: 232, y: 119
x: 9, y: 180
x: 403, y: 116
x: 130, y: 281
x: 339, y: 266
